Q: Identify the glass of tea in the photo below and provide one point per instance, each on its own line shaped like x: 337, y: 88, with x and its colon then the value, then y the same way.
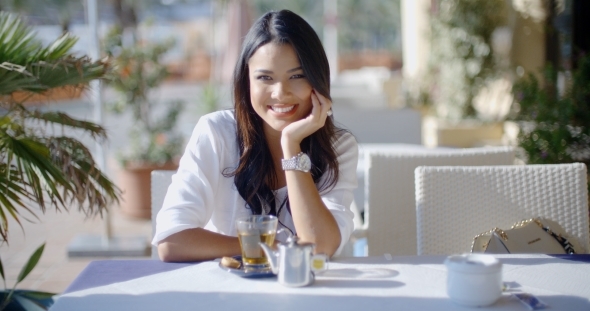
x: 252, y: 230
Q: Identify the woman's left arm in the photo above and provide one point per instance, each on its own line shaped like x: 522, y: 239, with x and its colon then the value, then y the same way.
x: 313, y: 220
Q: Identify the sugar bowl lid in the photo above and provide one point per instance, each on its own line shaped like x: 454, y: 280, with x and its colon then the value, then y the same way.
x: 473, y: 263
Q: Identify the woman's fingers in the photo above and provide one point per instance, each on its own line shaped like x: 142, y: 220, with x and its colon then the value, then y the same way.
x: 325, y: 103
x: 297, y: 131
x: 316, y: 104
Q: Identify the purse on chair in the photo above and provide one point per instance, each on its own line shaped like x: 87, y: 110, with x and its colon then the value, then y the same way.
x: 527, y: 236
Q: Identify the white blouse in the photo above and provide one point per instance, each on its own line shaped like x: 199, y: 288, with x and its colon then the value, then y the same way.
x: 201, y: 197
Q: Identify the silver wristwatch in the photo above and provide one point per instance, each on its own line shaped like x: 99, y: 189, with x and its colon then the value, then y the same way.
x: 300, y: 162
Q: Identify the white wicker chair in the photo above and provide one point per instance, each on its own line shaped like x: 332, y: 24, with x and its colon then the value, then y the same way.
x: 161, y: 179
x: 390, y: 207
x: 454, y: 204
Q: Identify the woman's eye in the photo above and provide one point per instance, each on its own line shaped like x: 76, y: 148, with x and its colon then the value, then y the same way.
x: 297, y: 76
x: 264, y: 78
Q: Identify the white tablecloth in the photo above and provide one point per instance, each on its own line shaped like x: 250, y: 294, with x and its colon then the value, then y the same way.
x: 369, y: 283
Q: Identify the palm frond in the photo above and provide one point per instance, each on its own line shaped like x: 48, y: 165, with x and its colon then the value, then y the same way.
x: 35, y: 167
x: 41, y: 76
x: 34, y: 158
x: 53, y: 172
x: 26, y: 65
x: 90, y: 184
x: 15, y: 77
x: 35, y: 173
x: 13, y: 193
x: 17, y: 41
x: 19, y: 45
x: 60, y: 118
x: 57, y: 49
x: 68, y: 71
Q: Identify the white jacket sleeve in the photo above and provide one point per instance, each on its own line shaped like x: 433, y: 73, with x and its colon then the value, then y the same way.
x: 189, y: 199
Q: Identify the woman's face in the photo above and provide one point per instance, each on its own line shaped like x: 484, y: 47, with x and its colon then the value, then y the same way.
x: 279, y: 92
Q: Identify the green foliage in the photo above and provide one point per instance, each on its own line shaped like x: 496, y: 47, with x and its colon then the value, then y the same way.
x: 13, y: 299
x: 31, y: 263
x: 2, y: 273
x: 137, y: 71
x: 462, y: 59
x: 209, y: 98
x: 373, y: 25
x: 36, y: 167
x: 555, y: 128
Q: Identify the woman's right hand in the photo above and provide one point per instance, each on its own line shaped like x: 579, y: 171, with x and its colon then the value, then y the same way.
x: 294, y: 133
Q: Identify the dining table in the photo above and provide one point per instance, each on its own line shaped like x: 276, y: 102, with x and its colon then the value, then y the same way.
x: 354, y: 283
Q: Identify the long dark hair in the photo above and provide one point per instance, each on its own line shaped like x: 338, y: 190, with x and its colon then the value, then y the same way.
x: 255, y: 176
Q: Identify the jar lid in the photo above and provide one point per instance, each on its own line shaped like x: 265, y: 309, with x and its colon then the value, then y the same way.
x: 473, y: 263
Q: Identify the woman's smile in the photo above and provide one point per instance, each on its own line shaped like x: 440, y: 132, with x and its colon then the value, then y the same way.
x: 283, y: 110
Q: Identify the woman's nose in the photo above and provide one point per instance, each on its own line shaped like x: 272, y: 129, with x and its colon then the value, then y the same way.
x: 280, y: 91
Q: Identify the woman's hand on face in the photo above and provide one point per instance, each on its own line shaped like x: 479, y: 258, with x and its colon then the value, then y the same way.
x: 295, y: 132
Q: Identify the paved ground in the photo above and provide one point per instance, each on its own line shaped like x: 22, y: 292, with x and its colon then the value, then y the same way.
x: 55, y: 270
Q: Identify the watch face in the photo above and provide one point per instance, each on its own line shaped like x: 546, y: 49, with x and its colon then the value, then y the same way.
x: 304, y: 162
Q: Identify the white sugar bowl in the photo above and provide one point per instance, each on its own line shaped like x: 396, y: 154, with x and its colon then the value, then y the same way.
x: 474, y: 280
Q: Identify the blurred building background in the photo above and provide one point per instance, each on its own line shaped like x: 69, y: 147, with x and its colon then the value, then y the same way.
x: 431, y: 72
x: 205, y: 29
x: 383, y: 53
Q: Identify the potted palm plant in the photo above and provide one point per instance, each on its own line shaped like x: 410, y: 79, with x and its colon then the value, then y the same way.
x: 154, y: 143
x: 39, y: 169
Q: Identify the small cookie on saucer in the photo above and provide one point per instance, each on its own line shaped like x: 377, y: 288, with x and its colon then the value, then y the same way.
x: 231, y: 262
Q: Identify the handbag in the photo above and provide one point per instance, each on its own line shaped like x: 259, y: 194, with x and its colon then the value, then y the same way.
x: 527, y: 236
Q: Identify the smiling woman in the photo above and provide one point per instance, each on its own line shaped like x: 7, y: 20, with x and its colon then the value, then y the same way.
x: 277, y: 152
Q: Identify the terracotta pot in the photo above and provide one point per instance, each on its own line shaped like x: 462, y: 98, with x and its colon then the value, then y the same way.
x: 462, y: 135
x: 49, y: 96
x: 135, y: 182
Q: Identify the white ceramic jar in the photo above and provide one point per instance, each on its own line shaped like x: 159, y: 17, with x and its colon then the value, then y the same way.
x: 474, y: 280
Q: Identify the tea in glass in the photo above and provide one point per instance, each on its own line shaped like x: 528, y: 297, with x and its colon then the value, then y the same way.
x: 251, y: 231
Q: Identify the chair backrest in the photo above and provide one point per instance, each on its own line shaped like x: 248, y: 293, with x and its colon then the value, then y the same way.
x: 454, y: 204
x: 390, y: 206
x: 161, y: 179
